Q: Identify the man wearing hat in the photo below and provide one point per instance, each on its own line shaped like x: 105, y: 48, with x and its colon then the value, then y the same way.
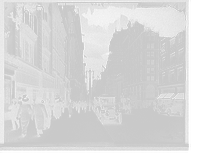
x: 24, y: 113
x: 14, y: 107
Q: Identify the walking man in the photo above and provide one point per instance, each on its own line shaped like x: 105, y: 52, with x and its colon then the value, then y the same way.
x: 40, y: 114
x: 14, y: 107
x: 25, y: 112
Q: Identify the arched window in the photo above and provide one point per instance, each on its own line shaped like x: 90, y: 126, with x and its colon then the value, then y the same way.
x: 150, y: 91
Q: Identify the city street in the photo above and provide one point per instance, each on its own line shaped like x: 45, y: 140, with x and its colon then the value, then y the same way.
x: 141, y: 127
x: 144, y: 126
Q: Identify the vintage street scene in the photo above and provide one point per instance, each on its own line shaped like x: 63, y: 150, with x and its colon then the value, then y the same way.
x: 104, y: 75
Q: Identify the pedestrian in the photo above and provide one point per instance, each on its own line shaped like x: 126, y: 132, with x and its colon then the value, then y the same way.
x: 70, y: 111
x: 79, y: 106
x: 49, y: 114
x: 14, y: 107
x: 76, y: 105
x: 24, y: 114
x: 85, y: 106
x: 57, y: 108
x: 40, y: 114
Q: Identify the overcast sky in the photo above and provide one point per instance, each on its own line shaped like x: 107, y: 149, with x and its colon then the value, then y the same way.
x: 99, y: 23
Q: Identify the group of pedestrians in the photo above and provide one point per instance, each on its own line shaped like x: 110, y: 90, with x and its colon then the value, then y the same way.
x: 78, y: 105
x: 23, y: 110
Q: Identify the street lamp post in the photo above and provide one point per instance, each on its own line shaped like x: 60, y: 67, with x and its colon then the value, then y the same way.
x: 90, y: 87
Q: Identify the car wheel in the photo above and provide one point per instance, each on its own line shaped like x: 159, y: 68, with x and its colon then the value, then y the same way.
x: 120, y: 118
x: 169, y: 112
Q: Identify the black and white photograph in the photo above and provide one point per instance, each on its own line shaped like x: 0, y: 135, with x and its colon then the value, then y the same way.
x: 95, y: 75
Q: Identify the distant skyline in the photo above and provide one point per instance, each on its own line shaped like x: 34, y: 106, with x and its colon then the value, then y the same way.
x: 99, y: 23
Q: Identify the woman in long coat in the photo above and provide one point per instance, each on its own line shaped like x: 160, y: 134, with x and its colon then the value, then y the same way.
x: 40, y: 114
x: 25, y: 113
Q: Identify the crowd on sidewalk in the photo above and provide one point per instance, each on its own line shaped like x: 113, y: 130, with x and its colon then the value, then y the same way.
x: 22, y: 111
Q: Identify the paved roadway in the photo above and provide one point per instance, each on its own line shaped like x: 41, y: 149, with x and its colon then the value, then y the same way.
x: 146, y: 127
x: 81, y: 130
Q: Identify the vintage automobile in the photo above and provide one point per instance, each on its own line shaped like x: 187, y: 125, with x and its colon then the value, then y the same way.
x: 108, y: 109
x: 158, y: 103
x: 170, y: 105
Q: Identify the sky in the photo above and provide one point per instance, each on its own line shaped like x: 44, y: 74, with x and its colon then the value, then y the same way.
x: 98, y: 24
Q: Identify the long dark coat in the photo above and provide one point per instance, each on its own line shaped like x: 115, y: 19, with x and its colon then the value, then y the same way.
x: 40, y: 114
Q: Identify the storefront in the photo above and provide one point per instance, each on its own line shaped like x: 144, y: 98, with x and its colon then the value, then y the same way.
x: 9, y: 85
x: 36, y: 85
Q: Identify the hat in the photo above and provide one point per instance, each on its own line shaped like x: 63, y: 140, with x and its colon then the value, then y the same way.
x: 25, y: 98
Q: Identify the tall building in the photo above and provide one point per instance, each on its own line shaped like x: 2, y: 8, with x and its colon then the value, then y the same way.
x: 114, y: 64
x: 76, y: 59
x: 172, y: 63
x: 34, y: 54
x: 140, y: 58
x: 58, y: 50
x: 67, y: 16
x: 125, y: 42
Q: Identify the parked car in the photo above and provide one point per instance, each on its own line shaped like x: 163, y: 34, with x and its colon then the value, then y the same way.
x: 108, y: 109
x: 158, y: 103
x: 170, y: 107
x: 176, y: 107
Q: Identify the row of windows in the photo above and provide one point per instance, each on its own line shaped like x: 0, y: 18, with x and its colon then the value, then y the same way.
x: 150, y: 62
x: 173, y: 76
x: 150, y: 46
x: 27, y: 51
x: 31, y: 21
x: 173, y: 59
x: 172, y: 42
x: 151, y: 78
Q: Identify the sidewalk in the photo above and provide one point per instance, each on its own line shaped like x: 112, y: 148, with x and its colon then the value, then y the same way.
x: 81, y: 130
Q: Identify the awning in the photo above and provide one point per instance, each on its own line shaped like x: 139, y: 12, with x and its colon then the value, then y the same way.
x: 169, y: 95
x: 161, y: 95
x: 179, y: 96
